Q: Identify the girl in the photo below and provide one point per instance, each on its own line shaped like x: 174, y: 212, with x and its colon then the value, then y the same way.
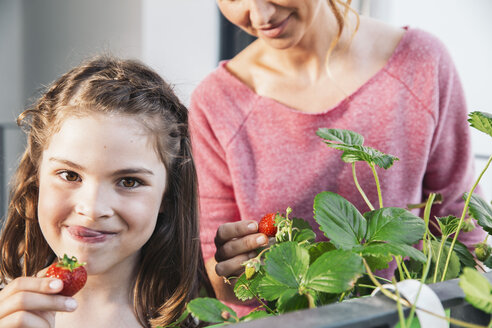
x: 108, y: 177
x: 317, y: 64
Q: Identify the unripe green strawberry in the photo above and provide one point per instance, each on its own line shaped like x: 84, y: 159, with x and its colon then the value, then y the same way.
x: 482, y: 251
x: 468, y: 225
x: 251, y: 267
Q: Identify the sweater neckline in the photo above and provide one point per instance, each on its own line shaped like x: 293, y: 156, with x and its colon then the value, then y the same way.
x: 244, y: 88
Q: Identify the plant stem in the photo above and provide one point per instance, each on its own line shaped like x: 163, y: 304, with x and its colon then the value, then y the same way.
x: 363, y: 194
x: 441, y: 247
x: 376, y: 178
x: 407, y: 304
x: 310, y: 298
x: 425, y: 272
x: 257, y: 298
x: 465, y: 210
x: 427, y: 211
x: 398, y: 306
x: 383, y: 290
x: 400, y: 270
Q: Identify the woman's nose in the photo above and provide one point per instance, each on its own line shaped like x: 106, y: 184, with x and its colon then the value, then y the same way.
x: 94, y: 202
x: 260, y: 12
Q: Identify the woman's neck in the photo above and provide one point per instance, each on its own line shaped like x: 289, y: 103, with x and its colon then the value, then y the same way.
x: 309, y: 56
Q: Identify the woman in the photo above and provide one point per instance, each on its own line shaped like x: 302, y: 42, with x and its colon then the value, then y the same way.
x: 315, y: 64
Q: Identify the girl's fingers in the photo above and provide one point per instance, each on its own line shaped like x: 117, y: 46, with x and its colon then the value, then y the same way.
x: 238, y: 246
x: 24, y: 319
x: 232, y: 267
x: 30, y: 301
x: 232, y: 230
x: 32, y: 284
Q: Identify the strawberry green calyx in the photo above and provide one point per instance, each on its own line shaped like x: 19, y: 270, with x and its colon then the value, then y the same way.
x: 251, y: 267
x: 482, y: 251
x: 69, y: 263
x: 468, y: 225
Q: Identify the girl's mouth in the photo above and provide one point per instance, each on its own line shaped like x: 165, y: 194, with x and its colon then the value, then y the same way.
x: 274, y: 30
x: 87, y: 235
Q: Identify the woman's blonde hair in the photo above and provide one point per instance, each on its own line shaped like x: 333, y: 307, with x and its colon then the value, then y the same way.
x: 171, y: 267
x: 341, y: 17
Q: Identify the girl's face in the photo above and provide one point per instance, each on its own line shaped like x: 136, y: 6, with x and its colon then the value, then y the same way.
x: 101, y: 184
x: 280, y: 23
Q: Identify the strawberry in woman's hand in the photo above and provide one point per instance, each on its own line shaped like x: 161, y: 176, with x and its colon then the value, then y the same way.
x: 71, y: 272
x: 267, y: 225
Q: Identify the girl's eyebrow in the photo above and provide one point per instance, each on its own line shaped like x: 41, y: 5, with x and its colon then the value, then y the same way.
x: 133, y: 170
x: 66, y: 162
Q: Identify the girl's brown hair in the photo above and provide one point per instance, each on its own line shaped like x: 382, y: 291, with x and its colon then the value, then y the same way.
x: 171, y: 267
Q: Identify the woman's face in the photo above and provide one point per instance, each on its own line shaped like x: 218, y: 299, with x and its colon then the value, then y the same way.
x: 280, y: 23
x: 101, y: 185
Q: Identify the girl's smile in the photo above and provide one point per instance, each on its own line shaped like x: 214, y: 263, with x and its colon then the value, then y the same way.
x: 86, y: 235
x: 101, y: 184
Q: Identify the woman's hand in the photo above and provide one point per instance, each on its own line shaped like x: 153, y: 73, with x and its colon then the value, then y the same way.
x: 236, y: 243
x: 32, y: 302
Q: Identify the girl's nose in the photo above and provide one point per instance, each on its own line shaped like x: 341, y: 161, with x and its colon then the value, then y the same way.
x: 260, y: 12
x: 93, y: 202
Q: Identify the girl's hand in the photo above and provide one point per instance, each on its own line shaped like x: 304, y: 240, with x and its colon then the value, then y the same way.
x: 32, y: 302
x: 236, y: 243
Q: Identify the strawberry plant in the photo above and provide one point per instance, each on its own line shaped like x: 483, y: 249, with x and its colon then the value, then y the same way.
x: 296, y: 272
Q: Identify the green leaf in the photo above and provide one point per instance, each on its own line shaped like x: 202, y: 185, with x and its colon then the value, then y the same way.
x: 481, y: 121
x: 210, y: 310
x: 334, y: 272
x: 454, y: 267
x: 291, y: 301
x: 369, y: 155
x: 342, y: 136
x: 287, y: 263
x: 394, y: 224
x: 271, y: 289
x: 488, y: 262
x: 255, y: 315
x: 466, y: 258
x: 340, y: 221
x: 304, y: 235
x: 477, y: 289
x: 448, y: 224
x: 244, y: 288
x: 386, y: 249
x: 300, y: 224
x: 377, y: 262
x: 319, y: 249
x: 480, y: 211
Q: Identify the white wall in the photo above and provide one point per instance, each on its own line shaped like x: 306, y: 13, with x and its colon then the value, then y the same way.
x: 41, y: 39
x: 10, y: 59
x: 466, y: 29
x: 180, y: 39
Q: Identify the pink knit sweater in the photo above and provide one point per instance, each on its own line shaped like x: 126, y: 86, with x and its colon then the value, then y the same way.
x: 255, y: 155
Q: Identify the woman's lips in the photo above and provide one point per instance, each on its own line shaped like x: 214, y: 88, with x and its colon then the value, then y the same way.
x: 274, y: 30
x: 87, y: 235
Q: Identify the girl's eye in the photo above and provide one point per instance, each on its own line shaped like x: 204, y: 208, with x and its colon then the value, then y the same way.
x: 70, y: 176
x: 130, y: 182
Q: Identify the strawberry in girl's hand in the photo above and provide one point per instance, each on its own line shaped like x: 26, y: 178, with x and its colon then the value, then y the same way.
x: 71, y: 272
x: 267, y: 225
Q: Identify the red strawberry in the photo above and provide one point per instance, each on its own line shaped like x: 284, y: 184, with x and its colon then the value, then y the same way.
x: 71, y: 272
x: 267, y: 226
